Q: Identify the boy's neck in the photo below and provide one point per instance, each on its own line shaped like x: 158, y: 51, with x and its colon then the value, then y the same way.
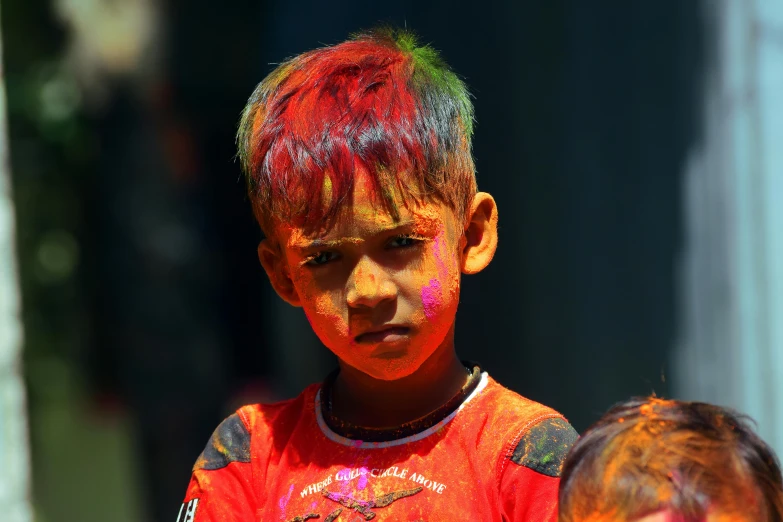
x: 373, y: 403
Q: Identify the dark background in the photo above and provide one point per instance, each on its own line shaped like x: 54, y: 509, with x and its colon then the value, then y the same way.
x: 143, y: 297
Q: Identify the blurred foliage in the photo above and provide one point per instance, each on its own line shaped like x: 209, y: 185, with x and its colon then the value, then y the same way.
x: 51, y: 150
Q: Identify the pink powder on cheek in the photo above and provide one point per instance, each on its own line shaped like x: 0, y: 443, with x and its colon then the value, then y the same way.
x: 432, y: 293
x: 431, y: 297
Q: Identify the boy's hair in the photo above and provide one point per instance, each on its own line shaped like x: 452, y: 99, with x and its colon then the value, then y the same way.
x: 378, y: 101
x: 649, y: 455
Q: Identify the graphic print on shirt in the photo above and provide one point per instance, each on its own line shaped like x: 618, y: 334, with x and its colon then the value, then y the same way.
x: 187, y: 512
x: 354, y: 490
x: 497, y: 457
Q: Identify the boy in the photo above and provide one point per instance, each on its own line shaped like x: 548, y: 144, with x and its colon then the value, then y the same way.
x: 654, y: 460
x: 361, y: 177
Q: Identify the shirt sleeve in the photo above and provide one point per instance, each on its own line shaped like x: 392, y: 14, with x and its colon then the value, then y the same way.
x: 530, y: 476
x: 221, y: 487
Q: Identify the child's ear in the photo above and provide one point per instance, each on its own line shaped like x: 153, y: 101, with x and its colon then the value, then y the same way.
x: 481, y: 234
x: 272, y: 259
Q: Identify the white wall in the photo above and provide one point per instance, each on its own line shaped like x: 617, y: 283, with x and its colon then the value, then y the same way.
x: 731, y: 272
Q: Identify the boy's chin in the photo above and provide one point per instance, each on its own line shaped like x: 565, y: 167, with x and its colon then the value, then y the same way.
x: 390, y: 366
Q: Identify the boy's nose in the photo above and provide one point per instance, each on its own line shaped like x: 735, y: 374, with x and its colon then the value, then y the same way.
x: 369, y: 286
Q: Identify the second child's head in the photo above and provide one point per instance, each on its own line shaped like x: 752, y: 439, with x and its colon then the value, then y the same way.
x: 654, y: 460
x: 359, y: 168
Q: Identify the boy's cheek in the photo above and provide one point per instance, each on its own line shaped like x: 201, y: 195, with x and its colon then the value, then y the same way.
x: 326, y: 318
x: 438, y: 286
x: 329, y: 328
x: 309, y: 289
x: 431, y: 299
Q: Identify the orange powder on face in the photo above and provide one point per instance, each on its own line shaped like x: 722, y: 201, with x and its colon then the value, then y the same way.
x: 371, y: 281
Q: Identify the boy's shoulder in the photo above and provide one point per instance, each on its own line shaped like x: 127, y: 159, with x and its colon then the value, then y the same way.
x: 530, y: 434
x: 231, y: 440
x: 536, y: 436
x: 277, y: 416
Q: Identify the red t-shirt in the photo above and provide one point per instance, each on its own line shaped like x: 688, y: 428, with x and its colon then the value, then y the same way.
x: 496, y: 457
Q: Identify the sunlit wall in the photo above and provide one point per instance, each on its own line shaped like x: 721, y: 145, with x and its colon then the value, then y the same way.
x: 730, y: 349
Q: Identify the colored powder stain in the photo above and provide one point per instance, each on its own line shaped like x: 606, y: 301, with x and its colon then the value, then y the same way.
x: 327, y: 190
x: 345, y: 485
x: 283, y: 502
x: 431, y: 298
x: 439, y: 250
x: 646, y: 409
x: 363, y: 478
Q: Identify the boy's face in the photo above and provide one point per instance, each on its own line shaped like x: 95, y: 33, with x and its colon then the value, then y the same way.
x: 381, y: 294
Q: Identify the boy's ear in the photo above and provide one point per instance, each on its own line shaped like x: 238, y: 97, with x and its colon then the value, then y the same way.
x: 272, y: 259
x: 481, y: 234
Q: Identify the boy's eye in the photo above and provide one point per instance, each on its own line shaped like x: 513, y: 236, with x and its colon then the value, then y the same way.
x: 321, y: 258
x: 403, y: 241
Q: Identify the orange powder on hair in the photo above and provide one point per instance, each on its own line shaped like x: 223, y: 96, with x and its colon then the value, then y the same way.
x: 664, y: 458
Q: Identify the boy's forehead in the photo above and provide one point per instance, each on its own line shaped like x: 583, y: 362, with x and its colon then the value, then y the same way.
x: 360, y: 221
x: 366, y: 215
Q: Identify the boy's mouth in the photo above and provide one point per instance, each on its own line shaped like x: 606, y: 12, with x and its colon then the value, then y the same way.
x: 386, y: 334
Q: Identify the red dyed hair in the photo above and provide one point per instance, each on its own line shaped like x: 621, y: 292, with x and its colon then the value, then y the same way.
x: 687, y: 458
x: 379, y: 102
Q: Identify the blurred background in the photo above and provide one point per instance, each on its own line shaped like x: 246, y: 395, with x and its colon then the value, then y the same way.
x: 633, y: 149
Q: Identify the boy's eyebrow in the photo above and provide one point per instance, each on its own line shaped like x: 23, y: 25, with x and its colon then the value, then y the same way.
x: 325, y: 243
x: 334, y: 243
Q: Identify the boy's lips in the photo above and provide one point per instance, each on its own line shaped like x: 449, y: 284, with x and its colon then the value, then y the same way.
x: 385, y: 334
